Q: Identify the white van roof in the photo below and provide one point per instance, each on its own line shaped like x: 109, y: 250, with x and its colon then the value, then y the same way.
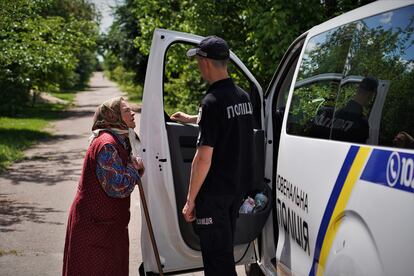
x: 368, y: 10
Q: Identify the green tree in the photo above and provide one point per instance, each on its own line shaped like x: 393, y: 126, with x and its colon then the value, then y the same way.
x: 119, y: 43
x: 259, y: 32
x: 41, y: 50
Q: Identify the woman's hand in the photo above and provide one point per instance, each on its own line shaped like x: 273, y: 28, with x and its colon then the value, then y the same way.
x: 138, y: 164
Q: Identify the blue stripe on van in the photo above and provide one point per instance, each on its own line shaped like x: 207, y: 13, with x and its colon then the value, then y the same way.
x: 349, y: 159
x: 391, y: 169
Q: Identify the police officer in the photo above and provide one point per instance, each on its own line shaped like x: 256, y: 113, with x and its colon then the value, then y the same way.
x: 223, y: 160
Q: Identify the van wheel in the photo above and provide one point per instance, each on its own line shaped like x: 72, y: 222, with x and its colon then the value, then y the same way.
x: 253, y: 270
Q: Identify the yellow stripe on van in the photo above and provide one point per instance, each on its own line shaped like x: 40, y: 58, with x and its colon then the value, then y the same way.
x: 349, y: 184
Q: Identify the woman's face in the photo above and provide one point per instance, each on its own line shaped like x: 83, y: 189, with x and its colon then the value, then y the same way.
x: 127, y: 114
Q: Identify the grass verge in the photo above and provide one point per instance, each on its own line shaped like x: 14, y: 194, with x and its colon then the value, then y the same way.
x: 134, y: 93
x: 67, y: 96
x: 125, y: 81
x: 19, y: 132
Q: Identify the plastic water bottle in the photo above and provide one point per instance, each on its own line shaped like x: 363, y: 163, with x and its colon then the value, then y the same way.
x: 247, y: 206
x: 260, y: 201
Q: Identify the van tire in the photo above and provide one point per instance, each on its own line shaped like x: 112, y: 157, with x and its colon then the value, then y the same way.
x: 253, y: 270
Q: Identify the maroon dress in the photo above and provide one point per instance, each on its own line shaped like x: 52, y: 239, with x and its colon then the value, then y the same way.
x: 97, y: 240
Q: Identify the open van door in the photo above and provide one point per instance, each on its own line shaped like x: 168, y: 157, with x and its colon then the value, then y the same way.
x: 168, y: 149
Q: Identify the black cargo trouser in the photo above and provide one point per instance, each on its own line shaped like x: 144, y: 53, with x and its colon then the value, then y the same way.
x: 215, y: 225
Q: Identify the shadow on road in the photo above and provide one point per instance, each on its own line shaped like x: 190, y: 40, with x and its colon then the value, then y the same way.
x: 78, y: 113
x: 37, y: 170
x: 62, y: 114
x: 96, y: 87
x: 13, y: 212
x: 92, y: 106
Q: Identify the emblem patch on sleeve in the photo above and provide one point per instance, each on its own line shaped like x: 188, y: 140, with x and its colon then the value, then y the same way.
x: 200, y: 112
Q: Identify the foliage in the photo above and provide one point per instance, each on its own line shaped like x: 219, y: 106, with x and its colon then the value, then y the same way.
x: 66, y: 96
x: 123, y: 62
x: 119, y: 44
x: 126, y: 80
x: 258, y: 31
x: 44, y: 45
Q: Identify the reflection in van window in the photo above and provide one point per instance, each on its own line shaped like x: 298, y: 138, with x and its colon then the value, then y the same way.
x: 312, y: 98
x: 376, y: 51
x: 326, y: 53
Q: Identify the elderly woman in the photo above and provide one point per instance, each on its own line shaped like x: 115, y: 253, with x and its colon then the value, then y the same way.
x: 97, y: 240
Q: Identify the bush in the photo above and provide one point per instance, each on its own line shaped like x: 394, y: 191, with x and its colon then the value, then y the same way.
x: 126, y: 80
x: 17, y: 96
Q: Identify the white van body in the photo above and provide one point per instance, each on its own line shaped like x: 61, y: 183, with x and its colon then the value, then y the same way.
x: 339, y: 207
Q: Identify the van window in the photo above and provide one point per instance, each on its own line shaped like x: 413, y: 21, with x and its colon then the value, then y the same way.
x: 356, y: 82
x: 184, y: 87
x: 318, y: 82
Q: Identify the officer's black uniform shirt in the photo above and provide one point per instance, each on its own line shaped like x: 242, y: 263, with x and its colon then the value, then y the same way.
x: 347, y: 124
x: 226, y: 124
x: 357, y: 129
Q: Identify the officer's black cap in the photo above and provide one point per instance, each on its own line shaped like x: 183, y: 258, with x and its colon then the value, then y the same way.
x: 212, y: 47
x: 369, y: 83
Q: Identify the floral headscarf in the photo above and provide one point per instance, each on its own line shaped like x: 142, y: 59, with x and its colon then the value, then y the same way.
x: 108, y: 115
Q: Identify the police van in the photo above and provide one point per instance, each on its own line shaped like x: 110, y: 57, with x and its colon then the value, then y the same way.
x: 336, y: 206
